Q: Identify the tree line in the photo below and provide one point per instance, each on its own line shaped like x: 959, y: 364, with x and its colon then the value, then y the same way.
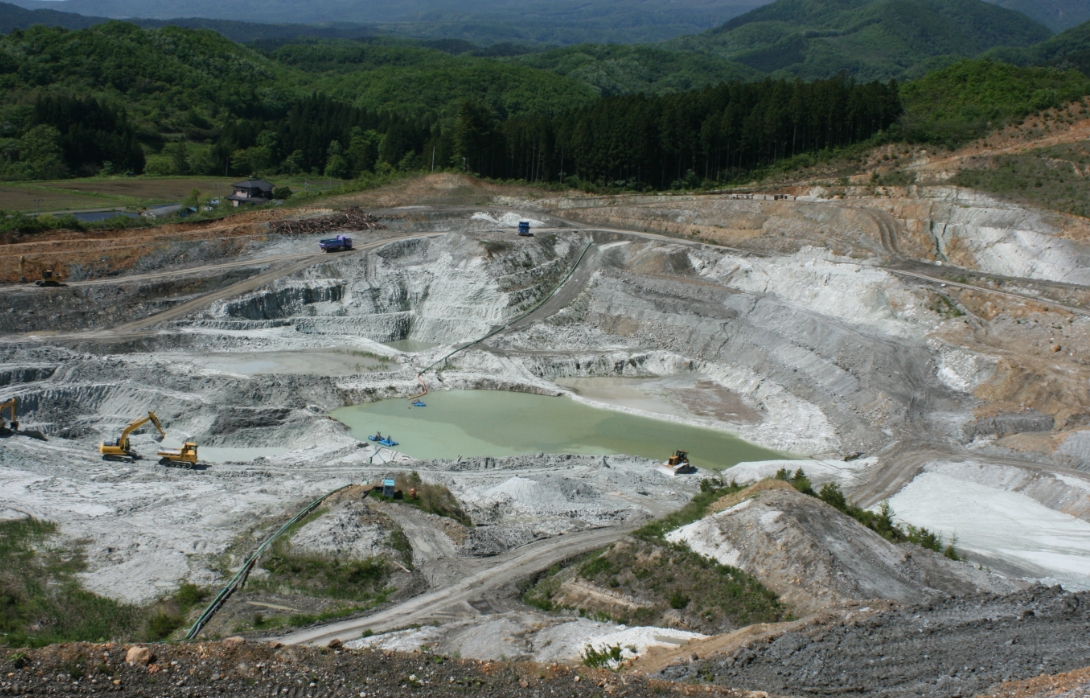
x: 716, y: 134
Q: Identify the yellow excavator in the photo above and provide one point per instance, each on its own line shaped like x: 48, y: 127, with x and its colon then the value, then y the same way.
x: 13, y: 425
x: 121, y: 449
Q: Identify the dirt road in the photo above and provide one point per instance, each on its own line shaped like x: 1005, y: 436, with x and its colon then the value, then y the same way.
x: 508, y: 568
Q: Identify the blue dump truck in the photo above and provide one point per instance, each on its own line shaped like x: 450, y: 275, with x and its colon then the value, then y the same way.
x: 524, y: 228
x: 341, y: 242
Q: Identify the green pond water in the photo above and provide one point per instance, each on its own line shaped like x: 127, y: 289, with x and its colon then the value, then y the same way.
x: 504, y: 423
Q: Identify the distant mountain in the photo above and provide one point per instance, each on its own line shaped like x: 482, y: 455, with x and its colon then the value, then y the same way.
x: 15, y: 17
x: 1069, y: 49
x: 869, y: 39
x: 544, y: 21
x: 1057, y: 15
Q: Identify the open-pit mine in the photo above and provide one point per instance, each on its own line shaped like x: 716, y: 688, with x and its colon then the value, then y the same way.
x: 923, y: 351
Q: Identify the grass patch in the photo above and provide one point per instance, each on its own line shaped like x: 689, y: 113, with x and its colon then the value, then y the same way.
x: 880, y: 522
x: 1052, y: 178
x: 493, y: 247
x: 362, y: 581
x: 608, y: 657
x: 261, y: 622
x: 42, y: 601
x: 710, y: 491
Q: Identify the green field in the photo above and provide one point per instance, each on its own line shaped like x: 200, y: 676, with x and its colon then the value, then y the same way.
x: 136, y: 192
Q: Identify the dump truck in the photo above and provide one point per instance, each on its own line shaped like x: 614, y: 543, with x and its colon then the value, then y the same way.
x: 10, y: 405
x: 341, y: 242
x: 524, y: 228
x: 120, y: 448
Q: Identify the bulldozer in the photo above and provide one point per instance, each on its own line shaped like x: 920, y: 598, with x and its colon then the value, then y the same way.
x: 13, y: 425
x: 186, y: 455
x: 120, y: 449
x: 677, y: 464
x: 680, y: 457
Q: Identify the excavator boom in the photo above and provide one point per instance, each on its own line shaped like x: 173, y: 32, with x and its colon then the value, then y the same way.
x: 120, y: 448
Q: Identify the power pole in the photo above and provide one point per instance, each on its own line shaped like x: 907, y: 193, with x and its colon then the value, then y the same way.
x: 433, y: 158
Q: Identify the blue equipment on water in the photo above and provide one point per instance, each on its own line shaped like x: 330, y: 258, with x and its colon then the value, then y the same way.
x: 419, y: 404
x: 384, y: 441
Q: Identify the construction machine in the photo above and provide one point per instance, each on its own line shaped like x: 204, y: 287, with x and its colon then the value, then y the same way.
x: 121, y: 449
x: 186, y: 455
x: 680, y: 457
x: 50, y: 277
x: 13, y: 425
x: 677, y: 464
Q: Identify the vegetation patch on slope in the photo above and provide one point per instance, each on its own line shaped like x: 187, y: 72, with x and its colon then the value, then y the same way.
x: 649, y: 581
x: 972, y: 98
x: 43, y: 602
x: 1052, y: 178
x: 880, y: 522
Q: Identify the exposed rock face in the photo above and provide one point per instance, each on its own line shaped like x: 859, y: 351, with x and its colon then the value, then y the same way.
x: 814, y: 556
x: 950, y: 647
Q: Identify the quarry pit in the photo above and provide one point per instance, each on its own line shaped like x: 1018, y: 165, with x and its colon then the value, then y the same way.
x: 929, y: 349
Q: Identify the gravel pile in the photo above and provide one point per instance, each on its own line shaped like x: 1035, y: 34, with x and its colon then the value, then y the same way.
x: 237, y: 668
x: 954, y: 647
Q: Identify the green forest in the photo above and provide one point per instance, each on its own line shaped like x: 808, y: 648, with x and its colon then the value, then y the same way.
x: 115, y: 98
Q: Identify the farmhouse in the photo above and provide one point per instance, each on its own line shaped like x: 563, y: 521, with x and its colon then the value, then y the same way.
x: 251, y: 192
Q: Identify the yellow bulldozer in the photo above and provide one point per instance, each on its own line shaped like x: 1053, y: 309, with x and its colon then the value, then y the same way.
x: 121, y: 449
x: 13, y: 424
x: 186, y: 455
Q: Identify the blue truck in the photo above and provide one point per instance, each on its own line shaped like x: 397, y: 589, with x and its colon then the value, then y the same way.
x: 524, y: 228
x: 341, y: 242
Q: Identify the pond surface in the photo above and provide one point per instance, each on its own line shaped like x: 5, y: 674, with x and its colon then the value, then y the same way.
x: 504, y: 423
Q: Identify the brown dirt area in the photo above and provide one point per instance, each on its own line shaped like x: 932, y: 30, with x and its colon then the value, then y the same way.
x: 1066, y: 684
x: 236, y: 668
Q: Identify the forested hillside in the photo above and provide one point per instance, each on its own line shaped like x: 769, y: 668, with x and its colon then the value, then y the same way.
x: 116, y: 98
x: 870, y: 39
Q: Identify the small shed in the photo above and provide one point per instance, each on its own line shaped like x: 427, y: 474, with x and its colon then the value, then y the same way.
x: 388, y: 488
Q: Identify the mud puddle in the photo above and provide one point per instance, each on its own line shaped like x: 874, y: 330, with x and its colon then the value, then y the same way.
x: 503, y: 423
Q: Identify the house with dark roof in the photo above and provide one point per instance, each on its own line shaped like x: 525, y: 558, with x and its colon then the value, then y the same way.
x: 251, y: 192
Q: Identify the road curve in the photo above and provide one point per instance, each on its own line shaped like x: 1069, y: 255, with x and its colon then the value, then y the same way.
x: 517, y: 564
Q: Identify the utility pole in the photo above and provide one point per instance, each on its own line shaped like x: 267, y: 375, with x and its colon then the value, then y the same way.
x: 433, y: 158
x: 226, y: 166
x: 39, y: 203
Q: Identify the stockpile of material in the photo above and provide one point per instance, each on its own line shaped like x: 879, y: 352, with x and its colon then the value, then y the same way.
x: 351, y: 219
